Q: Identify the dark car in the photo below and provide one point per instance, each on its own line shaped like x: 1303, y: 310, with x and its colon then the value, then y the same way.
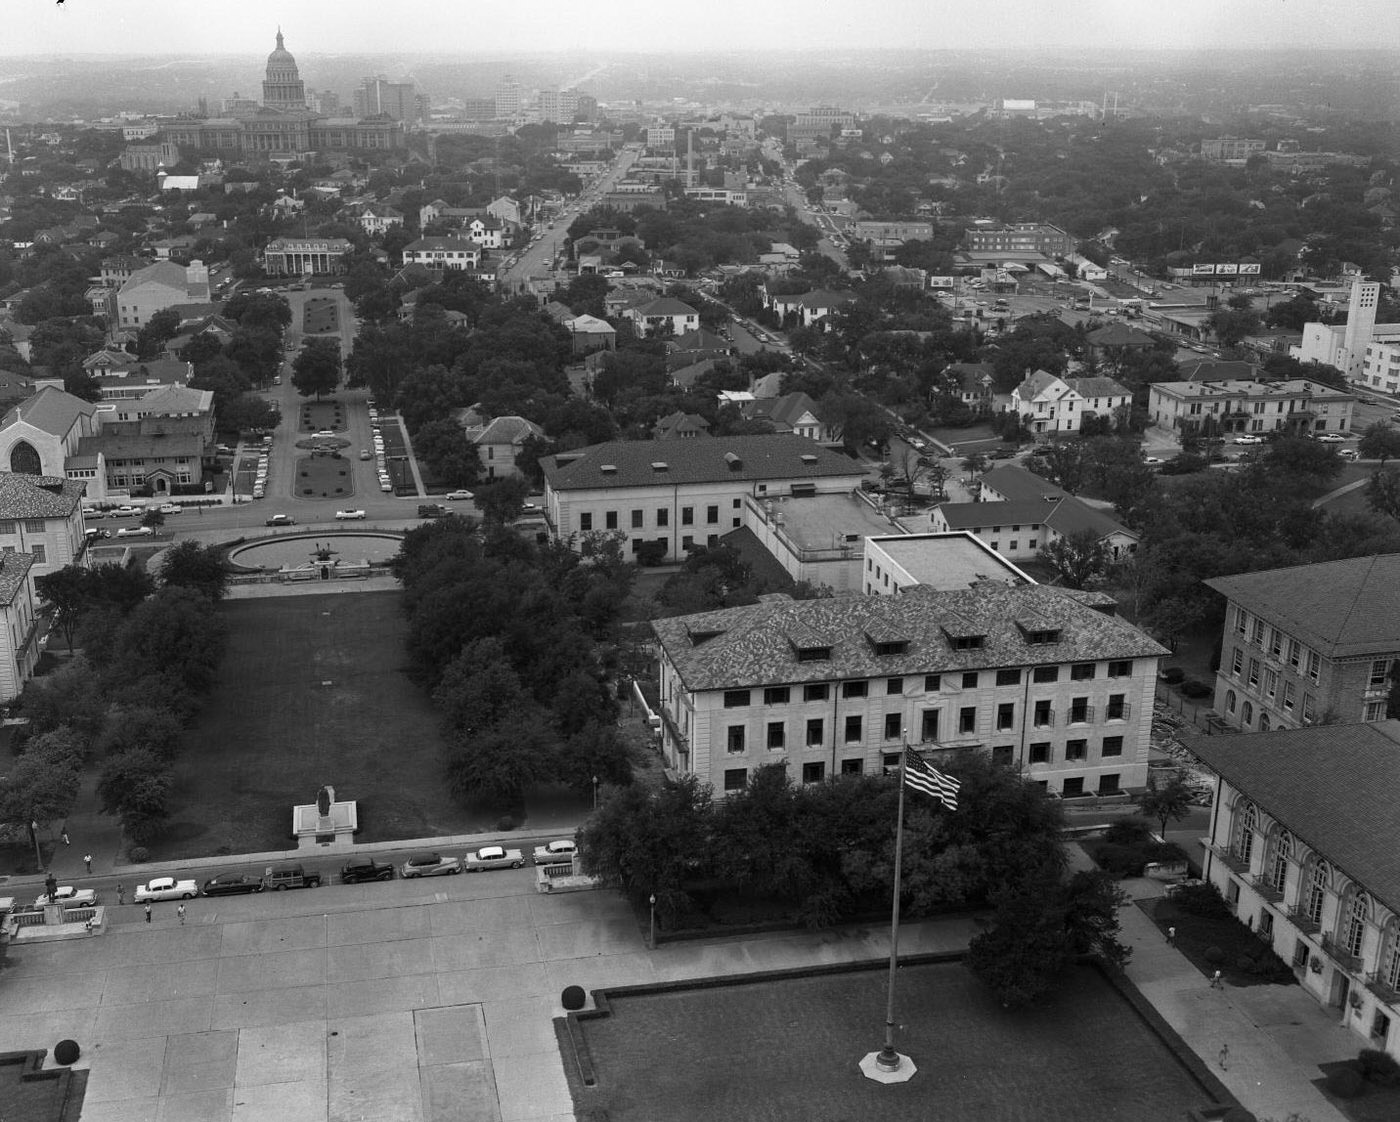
x: 1001, y: 453
x: 354, y: 872
x: 232, y: 884
x: 433, y: 510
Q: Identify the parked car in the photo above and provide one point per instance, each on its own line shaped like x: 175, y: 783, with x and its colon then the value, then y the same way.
x: 354, y: 872
x: 1345, y: 453
x: 365, y: 454
x: 350, y: 515
x: 167, y: 888
x: 96, y: 533
x: 1249, y: 439
x: 136, y: 532
x: 558, y: 852
x: 170, y: 508
x: 432, y: 510
x: 69, y: 896
x: 282, y: 877
x: 430, y: 865
x: 232, y: 884
x: 494, y: 857
x: 127, y: 511
x: 281, y: 520
x: 321, y: 434
x: 454, y: 495
x: 1330, y: 437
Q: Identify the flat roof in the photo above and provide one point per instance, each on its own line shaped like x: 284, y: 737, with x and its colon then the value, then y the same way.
x: 826, y: 521
x: 948, y: 561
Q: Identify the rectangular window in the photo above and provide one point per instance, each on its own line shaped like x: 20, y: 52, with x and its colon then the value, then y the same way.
x: 1082, y: 672
x: 1270, y: 681
x: 610, y: 520
x: 1256, y: 634
x: 777, y: 734
x: 1046, y: 674
x: 687, y: 516
x: 1241, y: 621
x: 1121, y: 669
x: 1309, y: 709
x: 894, y: 725
x: 585, y: 521
x: 38, y: 553
x: 1276, y: 642
x: 967, y: 719
x: 852, y: 728
x: 814, y: 732
x: 1073, y: 787
x: 637, y: 520
x: 734, y: 699
x: 1112, y: 746
x: 1294, y: 650
x: 854, y: 689
x: 852, y: 767
x: 1375, y: 711
x: 776, y: 695
x: 1008, y: 677
x: 1040, y: 752
x: 735, y: 779
x: 815, y: 693
x: 1290, y: 695
x: 663, y: 516
x: 712, y: 515
x: 894, y: 686
x: 1314, y: 665
x: 1379, y: 669
x: 34, y: 525
x: 1079, y: 711
x: 1043, y: 716
x: 1006, y: 716
x: 1076, y: 749
x: 1253, y: 671
x: 813, y: 773
x: 1117, y: 709
x: 1108, y: 784
x: 970, y: 680
x: 735, y: 739
x: 933, y: 683
x: 1237, y: 663
x: 928, y: 726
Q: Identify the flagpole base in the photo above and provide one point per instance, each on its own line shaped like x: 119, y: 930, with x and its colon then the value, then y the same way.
x: 891, y: 1067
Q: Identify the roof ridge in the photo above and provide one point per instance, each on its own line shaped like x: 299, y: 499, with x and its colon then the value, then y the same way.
x: 1360, y: 586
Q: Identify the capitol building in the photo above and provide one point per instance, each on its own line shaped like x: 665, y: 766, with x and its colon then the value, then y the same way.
x: 284, y: 124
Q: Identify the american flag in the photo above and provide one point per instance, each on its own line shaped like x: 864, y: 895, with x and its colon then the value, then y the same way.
x: 928, y: 779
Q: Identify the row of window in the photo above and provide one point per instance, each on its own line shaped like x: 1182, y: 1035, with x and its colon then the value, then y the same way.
x: 31, y: 525
x: 39, y: 553
x: 737, y: 778
x: 663, y: 517
x: 1279, y: 645
x: 893, y: 728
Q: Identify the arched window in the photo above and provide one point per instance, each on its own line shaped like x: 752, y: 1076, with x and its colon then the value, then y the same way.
x: 24, y: 460
x: 1317, y: 892
x: 1246, y: 823
x: 1247, y: 713
x: 1278, y: 860
x: 1354, y: 931
x: 1263, y: 722
x: 1229, y: 701
x: 1391, y: 958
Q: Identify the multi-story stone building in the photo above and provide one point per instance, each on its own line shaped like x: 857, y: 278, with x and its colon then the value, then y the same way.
x: 1248, y: 405
x: 294, y: 257
x: 1018, y: 238
x: 443, y: 253
x: 1308, y: 644
x: 19, y: 630
x: 1231, y: 149
x: 41, y: 517
x: 1046, y: 680
x: 1301, y: 847
x: 153, y: 289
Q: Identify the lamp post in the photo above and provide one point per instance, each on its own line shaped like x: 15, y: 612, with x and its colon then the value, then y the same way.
x: 595, y: 792
x: 651, y: 941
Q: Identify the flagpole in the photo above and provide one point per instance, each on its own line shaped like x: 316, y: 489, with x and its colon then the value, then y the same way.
x: 889, y: 1059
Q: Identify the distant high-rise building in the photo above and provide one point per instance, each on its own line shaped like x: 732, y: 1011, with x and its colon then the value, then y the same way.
x: 478, y: 108
x: 238, y: 105
x: 323, y: 101
x: 587, y: 108
x: 558, y: 106
x: 395, y: 99
x: 283, y: 87
x: 508, y: 96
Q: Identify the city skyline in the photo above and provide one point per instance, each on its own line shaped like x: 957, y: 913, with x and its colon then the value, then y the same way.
x: 174, y: 27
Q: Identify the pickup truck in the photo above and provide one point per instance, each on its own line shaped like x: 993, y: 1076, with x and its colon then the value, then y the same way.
x: 493, y: 857
x: 167, y: 888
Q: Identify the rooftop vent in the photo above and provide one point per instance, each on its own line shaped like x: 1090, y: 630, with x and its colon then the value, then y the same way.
x: 660, y: 465
x: 808, y: 458
x: 608, y: 469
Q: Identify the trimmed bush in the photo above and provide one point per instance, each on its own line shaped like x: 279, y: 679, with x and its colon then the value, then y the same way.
x: 1196, y: 688
x: 1345, y: 1082
x: 573, y: 998
x: 1214, y: 955
x: 1128, y: 831
x: 139, y: 854
x: 66, y: 1052
x: 1201, y: 900
x: 1379, y: 1067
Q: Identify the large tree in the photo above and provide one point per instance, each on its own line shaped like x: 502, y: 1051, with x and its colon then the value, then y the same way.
x: 316, y: 369
x: 1379, y: 442
x: 1078, y: 558
x: 1169, y: 801
x: 189, y: 564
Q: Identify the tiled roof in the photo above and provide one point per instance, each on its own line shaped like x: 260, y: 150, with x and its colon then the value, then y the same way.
x: 824, y: 298
x: 38, y: 496
x: 1345, y: 608
x: 142, y: 446
x: 694, y: 461
x: 666, y: 306
x: 50, y: 410
x: 755, y: 645
x: 1016, y: 482
x: 14, y: 567
x: 1072, y: 515
x: 1096, y: 387
x: 1333, y: 786
x: 1035, y: 384
x: 787, y: 409
x: 1015, y: 512
x: 508, y: 430
x: 591, y: 325
x: 1118, y: 335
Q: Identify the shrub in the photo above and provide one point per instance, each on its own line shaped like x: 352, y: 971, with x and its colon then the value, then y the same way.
x: 1128, y: 831
x: 1345, y: 1082
x: 1121, y: 860
x: 1201, y: 900
x: 506, y: 822
x: 1195, y: 688
x: 572, y: 998
x: 1172, y: 675
x: 1246, y: 965
x: 1214, y: 955
x: 67, y: 1051
x: 139, y: 854
x: 1380, y: 1068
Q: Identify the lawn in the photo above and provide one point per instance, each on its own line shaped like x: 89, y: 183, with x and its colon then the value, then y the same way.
x: 327, y: 413
x: 311, y: 691
x: 1247, y: 961
x: 324, y: 477
x: 788, y: 1048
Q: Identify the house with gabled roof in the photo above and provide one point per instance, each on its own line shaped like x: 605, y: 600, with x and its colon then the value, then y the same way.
x: 376, y: 218
x: 806, y: 308
x: 665, y: 315
x: 443, y: 253
x: 680, y: 426
x: 795, y: 413
x: 589, y: 333
x: 972, y: 383
x: 498, y: 443
x: 1049, y: 403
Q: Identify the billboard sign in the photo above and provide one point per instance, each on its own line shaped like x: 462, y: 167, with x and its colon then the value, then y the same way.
x: 1249, y: 268
x: 940, y: 282
x: 1229, y: 270
x: 1226, y: 269
x: 1203, y: 270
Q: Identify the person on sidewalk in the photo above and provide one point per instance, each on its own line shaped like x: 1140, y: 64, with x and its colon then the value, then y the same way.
x: 148, y: 911
x: 1224, y: 1057
x: 63, y: 833
x: 87, y: 860
x: 180, y: 911
x: 121, y: 894
x: 1215, y: 981
x: 1171, y: 936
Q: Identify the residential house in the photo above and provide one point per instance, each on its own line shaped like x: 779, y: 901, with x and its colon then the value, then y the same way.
x: 153, y: 289
x: 378, y: 218
x: 806, y: 308
x: 498, y: 443
x: 507, y: 211
x: 666, y: 315
x: 972, y: 383
x: 1301, y: 850
x: 1045, y: 680
x: 1117, y: 339
x: 680, y: 426
x: 1309, y: 644
x: 443, y: 253
x: 589, y: 333
x: 1249, y: 405
x: 488, y: 231
x: 796, y: 413
x: 1049, y: 403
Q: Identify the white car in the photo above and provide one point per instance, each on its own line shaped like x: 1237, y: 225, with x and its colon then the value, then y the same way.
x: 136, y: 532
x: 127, y: 511
x: 349, y: 515
x: 170, y: 508
x: 559, y: 852
x: 1152, y: 459
x: 68, y: 896
x: 387, y: 488
x: 167, y: 888
x: 1330, y: 437
x: 321, y: 434
x: 494, y: 857
x: 458, y: 495
x: 1249, y: 440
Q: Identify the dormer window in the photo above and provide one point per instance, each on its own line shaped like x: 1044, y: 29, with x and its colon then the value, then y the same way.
x: 1043, y: 636
x: 813, y: 654
x: 897, y: 647
x: 608, y: 469
x: 660, y: 465
x: 967, y: 642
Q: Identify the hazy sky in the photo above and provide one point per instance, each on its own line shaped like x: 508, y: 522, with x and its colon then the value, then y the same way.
x: 186, y: 27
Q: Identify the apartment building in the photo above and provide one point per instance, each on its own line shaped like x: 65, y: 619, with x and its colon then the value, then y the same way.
x: 1231, y: 149
x: 1249, y: 405
x: 1300, y: 847
x: 1052, y: 404
x: 41, y: 517
x: 443, y: 253
x: 1308, y: 644
x: 1043, y: 679
x: 1018, y: 238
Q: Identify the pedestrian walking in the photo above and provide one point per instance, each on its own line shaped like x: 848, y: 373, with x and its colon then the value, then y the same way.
x: 1224, y: 1057
x: 64, y: 835
x: 50, y: 887
x: 148, y: 912
x: 1215, y: 982
x: 1171, y: 936
x: 87, y: 860
x: 180, y: 911
x: 121, y: 895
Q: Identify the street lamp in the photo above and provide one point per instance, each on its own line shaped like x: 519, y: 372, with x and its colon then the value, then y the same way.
x: 651, y: 941
x: 595, y: 792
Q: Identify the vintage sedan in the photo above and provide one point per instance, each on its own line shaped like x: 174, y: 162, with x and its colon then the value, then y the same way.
x: 1330, y: 437
x: 136, y: 532
x: 1249, y: 439
x: 354, y: 872
x: 349, y: 516
x: 167, y: 888
x: 560, y: 852
x: 494, y: 857
x: 430, y: 865
x: 457, y: 495
x: 68, y: 896
x: 232, y: 884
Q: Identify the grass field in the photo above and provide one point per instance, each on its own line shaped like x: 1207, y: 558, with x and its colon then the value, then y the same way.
x: 311, y: 691
x: 789, y: 1049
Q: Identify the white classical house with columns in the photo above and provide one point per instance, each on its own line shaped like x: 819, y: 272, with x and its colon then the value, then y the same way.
x: 1302, y: 841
